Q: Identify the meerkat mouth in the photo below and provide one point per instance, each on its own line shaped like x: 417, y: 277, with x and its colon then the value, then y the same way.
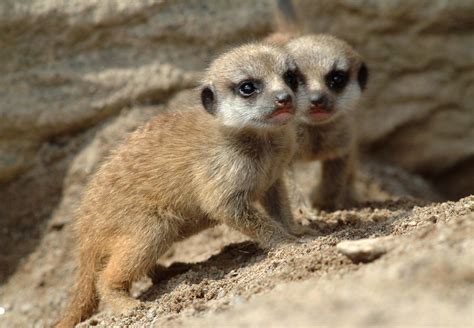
x: 282, y: 115
x: 320, y: 113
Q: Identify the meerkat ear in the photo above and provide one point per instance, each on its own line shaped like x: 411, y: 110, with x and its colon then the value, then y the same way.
x: 208, y: 99
x: 363, y: 76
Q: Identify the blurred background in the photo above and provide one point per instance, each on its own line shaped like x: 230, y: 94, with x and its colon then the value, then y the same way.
x: 68, y: 66
x: 76, y: 76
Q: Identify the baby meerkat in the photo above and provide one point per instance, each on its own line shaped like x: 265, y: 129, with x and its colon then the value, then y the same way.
x: 186, y: 171
x: 335, y: 77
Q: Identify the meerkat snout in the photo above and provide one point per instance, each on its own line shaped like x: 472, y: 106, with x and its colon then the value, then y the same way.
x: 284, y: 109
x: 321, y: 103
x: 283, y: 99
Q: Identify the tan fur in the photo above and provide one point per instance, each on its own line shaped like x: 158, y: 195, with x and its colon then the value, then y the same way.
x: 183, y: 172
x: 333, y: 140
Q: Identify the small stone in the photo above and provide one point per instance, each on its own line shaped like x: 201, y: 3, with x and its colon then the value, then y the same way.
x: 365, y: 250
x: 238, y: 300
x: 221, y: 293
x: 26, y: 307
x: 151, y: 314
x: 189, y: 312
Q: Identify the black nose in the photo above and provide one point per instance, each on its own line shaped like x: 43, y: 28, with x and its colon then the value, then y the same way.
x: 283, y: 99
x: 320, y: 100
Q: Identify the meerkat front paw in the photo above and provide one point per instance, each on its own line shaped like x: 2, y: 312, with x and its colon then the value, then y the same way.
x: 301, y: 230
x: 332, y: 202
x: 304, y: 214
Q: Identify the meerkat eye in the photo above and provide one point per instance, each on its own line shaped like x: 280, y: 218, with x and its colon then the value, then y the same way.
x: 336, y: 80
x: 291, y: 79
x: 247, y: 88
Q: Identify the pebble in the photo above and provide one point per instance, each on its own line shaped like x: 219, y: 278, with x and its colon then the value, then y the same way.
x: 151, y: 314
x: 26, y: 307
x: 221, y: 293
x: 189, y: 312
x: 365, y: 250
x: 238, y: 300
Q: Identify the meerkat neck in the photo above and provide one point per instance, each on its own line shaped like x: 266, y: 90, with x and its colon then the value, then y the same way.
x: 255, y: 135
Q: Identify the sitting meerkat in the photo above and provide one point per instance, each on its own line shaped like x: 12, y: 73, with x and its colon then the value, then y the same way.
x: 334, y: 77
x: 185, y: 171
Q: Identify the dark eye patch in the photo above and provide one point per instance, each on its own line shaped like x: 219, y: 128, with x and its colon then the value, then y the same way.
x: 336, y: 80
x: 291, y: 79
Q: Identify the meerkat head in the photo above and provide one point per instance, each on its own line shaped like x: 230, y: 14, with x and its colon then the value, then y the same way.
x: 252, y: 86
x: 335, y: 76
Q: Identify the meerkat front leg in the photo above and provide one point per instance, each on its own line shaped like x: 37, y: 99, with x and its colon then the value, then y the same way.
x: 277, y: 204
x: 240, y: 214
x: 335, y: 188
x: 302, y: 211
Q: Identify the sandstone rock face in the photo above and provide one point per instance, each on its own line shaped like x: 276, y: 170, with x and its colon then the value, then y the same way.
x: 67, y: 66
x: 419, y: 111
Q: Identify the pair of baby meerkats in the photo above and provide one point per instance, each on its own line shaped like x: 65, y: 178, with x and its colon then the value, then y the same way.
x: 264, y: 106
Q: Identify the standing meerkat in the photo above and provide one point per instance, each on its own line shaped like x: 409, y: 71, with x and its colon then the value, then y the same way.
x: 335, y: 77
x: 186, y: 171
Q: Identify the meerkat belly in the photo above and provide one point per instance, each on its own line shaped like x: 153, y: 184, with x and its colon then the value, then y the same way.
x: 322, y: 143
x: 195, y: 223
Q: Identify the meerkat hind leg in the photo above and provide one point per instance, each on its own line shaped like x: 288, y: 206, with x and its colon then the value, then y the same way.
x: 335, y: 183
x: 132, y: 258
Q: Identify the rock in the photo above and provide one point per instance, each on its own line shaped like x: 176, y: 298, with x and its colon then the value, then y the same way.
x: 16, y: 156
x: 91, y: 60
x: 238, y: 300
x: 221, y: 293
x: 365, y: 250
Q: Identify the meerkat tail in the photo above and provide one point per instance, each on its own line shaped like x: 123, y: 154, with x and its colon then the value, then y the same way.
x: 286, y: 17
x: 286, y: 23
x: 85, y: 299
